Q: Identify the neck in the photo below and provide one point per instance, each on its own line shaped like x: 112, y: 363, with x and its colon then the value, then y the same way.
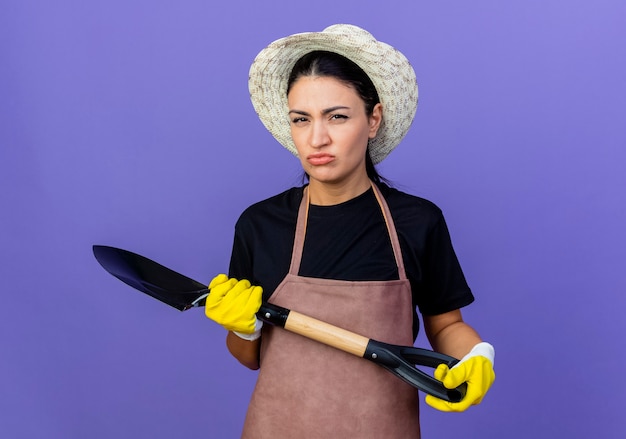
x: 330, y: 194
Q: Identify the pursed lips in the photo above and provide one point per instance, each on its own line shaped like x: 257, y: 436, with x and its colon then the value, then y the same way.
x: 319, y: 159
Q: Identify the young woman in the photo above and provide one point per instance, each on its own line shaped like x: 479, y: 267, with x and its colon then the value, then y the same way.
x: 345, y: 248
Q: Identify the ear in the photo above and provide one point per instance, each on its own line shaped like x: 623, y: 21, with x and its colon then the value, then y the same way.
x: 375, y: 120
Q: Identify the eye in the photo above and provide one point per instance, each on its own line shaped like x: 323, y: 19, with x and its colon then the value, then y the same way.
x: 338, y: 117
x: 298, y: 120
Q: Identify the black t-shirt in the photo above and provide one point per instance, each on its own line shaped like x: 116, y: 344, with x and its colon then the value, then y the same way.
x: 349, y: 241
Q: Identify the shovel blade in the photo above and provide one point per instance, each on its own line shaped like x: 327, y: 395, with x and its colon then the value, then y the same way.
x: 150, y: 277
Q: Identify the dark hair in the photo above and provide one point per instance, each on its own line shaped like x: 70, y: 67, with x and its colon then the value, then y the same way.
x: 330, y: 64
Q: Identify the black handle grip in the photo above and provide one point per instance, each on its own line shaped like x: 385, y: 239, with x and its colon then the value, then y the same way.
x: 273, y: 314
x: 401, y: 361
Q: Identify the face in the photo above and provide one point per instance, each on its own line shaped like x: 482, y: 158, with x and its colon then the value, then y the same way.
x: 330, y: 129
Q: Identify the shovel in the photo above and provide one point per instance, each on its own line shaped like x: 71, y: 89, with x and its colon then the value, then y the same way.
x: 184, y: 293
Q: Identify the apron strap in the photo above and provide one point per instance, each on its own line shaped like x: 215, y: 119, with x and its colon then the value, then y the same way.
x: 298, y: 241
x: 303, y: 216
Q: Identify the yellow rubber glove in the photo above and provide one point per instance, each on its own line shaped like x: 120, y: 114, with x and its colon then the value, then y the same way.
x: 234, y: 304
x: 476, y: 368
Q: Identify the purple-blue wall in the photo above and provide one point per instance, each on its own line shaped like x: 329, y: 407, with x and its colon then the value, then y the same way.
x: 128, y: 123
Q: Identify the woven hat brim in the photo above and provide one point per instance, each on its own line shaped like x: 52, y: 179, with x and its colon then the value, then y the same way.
x: 388, y: 68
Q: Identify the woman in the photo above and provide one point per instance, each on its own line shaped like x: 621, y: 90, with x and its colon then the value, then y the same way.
x: 346, y: 249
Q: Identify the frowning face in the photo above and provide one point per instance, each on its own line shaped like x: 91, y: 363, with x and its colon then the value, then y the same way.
x: 330, y: 129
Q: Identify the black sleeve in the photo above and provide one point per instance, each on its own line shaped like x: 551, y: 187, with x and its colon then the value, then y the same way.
x: 240, y: 258
x: 263, y: 241
x: 443, y: 285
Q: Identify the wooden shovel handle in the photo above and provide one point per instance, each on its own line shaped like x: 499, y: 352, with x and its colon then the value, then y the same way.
x: 326, y: 333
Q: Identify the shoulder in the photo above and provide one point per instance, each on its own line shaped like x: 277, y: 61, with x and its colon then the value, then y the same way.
x: 408, y: 208
x: 280, y: 207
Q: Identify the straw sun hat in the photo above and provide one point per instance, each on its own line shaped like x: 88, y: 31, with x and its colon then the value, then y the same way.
x: 388, y: 69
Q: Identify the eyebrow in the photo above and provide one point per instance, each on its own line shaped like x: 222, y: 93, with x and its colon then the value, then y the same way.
x: 324, y: 112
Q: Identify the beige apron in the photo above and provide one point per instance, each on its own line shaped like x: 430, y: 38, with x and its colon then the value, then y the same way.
x: 309, y: 390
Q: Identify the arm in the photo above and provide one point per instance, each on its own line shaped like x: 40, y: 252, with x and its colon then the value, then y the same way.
x: 246, y: 352
x: 233, y: 304
x: 449, y: 334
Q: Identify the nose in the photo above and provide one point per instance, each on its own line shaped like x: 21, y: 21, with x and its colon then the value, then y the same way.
x: 319, y: 135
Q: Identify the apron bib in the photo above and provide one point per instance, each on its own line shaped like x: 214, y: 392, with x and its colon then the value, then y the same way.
x: 309, y: 390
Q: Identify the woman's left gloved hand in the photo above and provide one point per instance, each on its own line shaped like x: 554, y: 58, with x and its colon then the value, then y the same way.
x: 476, y: 368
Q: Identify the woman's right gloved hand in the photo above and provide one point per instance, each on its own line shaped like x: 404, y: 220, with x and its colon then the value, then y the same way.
x: 233, y: 304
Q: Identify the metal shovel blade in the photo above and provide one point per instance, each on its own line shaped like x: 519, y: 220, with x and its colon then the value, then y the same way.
x: 151, y: 278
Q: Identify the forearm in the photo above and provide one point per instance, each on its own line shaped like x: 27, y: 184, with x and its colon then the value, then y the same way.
x: 450, y: 335
x: 456, y: 340
x: 246, y: 352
